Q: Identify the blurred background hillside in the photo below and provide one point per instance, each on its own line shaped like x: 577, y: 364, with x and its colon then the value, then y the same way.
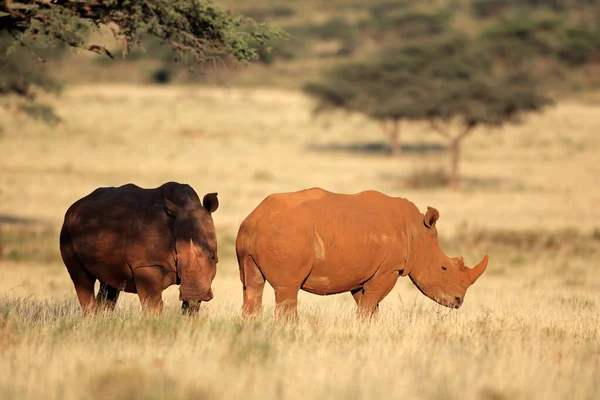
x: 561, y: 38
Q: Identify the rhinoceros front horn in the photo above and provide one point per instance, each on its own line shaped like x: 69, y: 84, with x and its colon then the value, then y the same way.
x: 476, y: 271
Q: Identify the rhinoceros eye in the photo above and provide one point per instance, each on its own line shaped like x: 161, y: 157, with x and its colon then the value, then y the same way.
x: 444, y: 267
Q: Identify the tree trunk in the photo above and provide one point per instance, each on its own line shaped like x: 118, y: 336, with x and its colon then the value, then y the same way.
x: 453, y: 180
x: 455, y: 149
x: 394, y: 136
x: 454, y: 143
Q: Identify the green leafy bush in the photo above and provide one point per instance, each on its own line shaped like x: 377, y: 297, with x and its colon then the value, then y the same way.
x: 161, y: 75
x: 407, y: 24
x: 495, y: 8
x: 337, y: 28
x: 380, y: 10
x: 580, y: 45
x: 524, y: 37
x: 23, y: 76
x: 275, y: 11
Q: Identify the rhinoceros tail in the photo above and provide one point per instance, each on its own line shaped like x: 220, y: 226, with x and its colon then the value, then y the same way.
x: 68, y: 254
x: 251, y: 276
x: 67, y: 251
x: 242, y: 250
x: 241, y: 254
x: 65, y: 238
x: 249, y: 270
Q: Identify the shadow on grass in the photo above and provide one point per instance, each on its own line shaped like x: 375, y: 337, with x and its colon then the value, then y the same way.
x: 23, y: 239
x: 6, y: 219
x: 436, y: 179
x: 376, y: 148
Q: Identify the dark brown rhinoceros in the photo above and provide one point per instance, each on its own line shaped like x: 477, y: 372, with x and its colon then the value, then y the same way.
x: 141, y: 241
x: 327, y: 243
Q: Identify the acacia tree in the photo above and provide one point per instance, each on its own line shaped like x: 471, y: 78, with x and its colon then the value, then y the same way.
x: 451, y: 81
x: 466, y: 88
x: 340, y: 91
x: 195, y: 29
x: 365, y: 88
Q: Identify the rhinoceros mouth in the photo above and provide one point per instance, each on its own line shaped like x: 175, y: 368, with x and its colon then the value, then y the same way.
x: 451, y: 304
x: 440, y: 300
x: 456, y: 303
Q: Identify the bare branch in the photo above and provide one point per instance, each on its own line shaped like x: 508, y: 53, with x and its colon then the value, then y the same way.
x: 24, y: 45
x: 121, y: 39
x: 468, y: 129
x: 437, y: 128
x: 100, y: 50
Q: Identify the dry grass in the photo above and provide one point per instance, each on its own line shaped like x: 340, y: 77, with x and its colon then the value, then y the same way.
x: 529, y: 328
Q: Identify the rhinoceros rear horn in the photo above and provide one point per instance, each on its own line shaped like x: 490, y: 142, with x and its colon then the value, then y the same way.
x: 476, y: 271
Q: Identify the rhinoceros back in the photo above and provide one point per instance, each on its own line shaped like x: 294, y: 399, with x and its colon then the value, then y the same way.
x: 103, y: 225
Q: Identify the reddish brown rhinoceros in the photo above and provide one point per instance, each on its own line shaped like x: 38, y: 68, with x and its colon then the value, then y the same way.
x: 141, y: 241
x: 327, y: 243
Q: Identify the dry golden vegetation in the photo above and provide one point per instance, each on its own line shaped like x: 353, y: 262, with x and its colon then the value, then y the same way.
x: 529, y: 328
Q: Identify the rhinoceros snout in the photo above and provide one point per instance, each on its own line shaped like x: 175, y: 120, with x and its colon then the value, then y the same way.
x: 458, y: 301
x: 450, y: 301
x: 209, y: 296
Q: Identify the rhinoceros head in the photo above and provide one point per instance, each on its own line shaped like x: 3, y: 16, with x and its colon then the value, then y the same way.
x: 439, y: 277
x: 196, y: 246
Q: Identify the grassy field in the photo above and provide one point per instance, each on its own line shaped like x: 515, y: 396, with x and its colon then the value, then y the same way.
x: 529, y: 328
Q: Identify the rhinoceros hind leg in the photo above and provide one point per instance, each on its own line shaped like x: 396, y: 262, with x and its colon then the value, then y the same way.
x: 84, y: 287
x: 286, y: 303
x: 253, y: 282
x: 368, y: 298
x: 82, y: 280
x: 107, y: 296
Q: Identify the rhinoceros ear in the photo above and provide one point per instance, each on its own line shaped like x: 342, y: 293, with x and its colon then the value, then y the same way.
x: 210, y: 202
x: 431, y: 217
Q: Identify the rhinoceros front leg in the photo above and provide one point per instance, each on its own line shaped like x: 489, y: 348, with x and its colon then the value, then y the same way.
x: 149, y: 286
x: 373, y: 291
x: 107, y: 297
x: 286, y: 303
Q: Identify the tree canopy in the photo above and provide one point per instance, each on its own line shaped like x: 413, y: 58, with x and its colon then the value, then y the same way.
x: 443, y: 80
x: 19, y: 78
x: 197, y: 30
